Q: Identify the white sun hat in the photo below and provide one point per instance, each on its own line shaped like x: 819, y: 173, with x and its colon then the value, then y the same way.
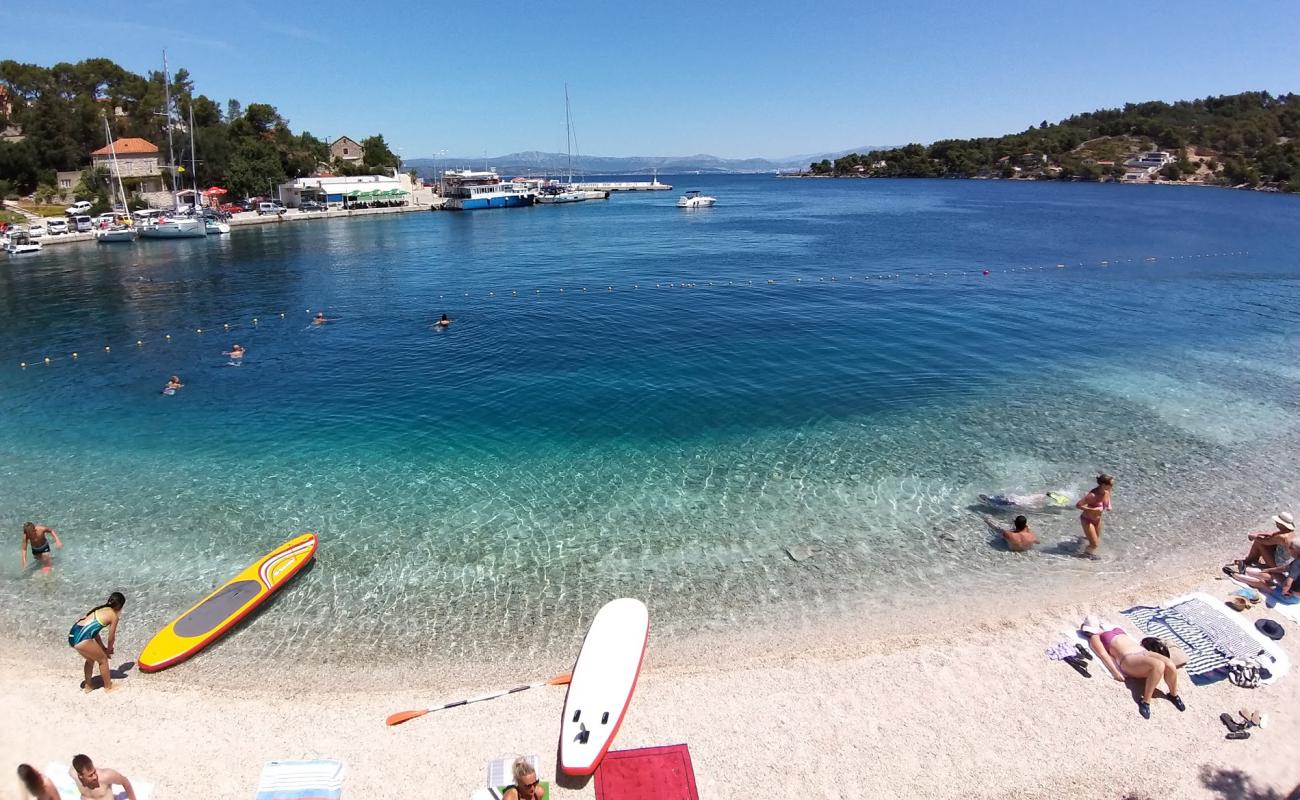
x: 1285, y: 520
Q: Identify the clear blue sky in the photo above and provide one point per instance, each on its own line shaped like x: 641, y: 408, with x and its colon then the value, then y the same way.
x: 758, y: 78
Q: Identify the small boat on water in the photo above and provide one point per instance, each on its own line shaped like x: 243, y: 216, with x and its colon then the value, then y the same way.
x: 215, y: 226
x: 116, y: 233
x: 693, y: 199
x: 19, y: 242
x: 466, y: 189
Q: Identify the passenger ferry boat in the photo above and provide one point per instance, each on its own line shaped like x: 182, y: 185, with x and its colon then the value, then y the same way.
x: 466, y: 189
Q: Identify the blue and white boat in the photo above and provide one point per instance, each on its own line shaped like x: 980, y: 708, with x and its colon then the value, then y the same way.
x: 466, y: 189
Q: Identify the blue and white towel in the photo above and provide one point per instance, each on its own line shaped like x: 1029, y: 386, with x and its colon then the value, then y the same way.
x: 321, y: 779
x: 1210, y: 637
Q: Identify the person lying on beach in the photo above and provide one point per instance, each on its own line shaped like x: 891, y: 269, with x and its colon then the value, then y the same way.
x: 1033, y: 502
x: 85, y: 639
x: 1269, y: 548
x: 1126, y: 658
x: 526, y: 785
x: 235, y: 352
x: 1092, y: 505
x: 97, y: 784
x: 173, y: 383
x: 34, y: 537
x: 1018, y: 538
x: 442, y: 323
x: 39, y: 786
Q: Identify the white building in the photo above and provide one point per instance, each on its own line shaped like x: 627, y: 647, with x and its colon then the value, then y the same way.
x: 346, y: 190
x: 1155, y: 159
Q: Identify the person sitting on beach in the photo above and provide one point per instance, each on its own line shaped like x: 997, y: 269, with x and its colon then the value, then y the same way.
x: 1018, y: 538
x: 1033, y: 502
x: 173, y: 383
x: 526, y: 785
x: 235, y: 352
x: 34, y: 537
x: 1092, y: 505
x: 85, y: 639
x: 1269, y: 548
x: 1285, y: 577
x: 37, y: 785
x: 1126, y: 658
x: 442, y: 323
x: 97, y: 784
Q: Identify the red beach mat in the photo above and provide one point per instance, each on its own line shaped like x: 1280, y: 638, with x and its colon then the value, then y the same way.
x: 647, y: 773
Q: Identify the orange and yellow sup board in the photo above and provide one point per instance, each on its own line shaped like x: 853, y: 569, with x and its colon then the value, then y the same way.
x: 220, y: 611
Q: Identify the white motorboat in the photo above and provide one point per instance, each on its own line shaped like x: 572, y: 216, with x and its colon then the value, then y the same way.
x: 215, y: 226
x: 116, y: 233
x: 693, y: 199
x: 174, y: 228
x: 19, y: 243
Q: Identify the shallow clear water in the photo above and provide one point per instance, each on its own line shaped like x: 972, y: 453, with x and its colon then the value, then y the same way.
x: 808, y: 363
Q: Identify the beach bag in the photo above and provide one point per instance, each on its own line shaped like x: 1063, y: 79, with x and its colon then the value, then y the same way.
x: 1244, y: 672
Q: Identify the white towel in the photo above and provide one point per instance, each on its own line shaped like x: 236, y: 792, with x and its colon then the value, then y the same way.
x: 320, y: 779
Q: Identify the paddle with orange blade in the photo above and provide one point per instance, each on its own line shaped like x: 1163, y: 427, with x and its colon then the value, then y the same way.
x: 403, y: 716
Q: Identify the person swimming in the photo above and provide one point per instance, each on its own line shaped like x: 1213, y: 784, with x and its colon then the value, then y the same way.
x: 1018, y: 538
x: 1030, y: 501
x: 445, y: 322
x: 320, y: 319
x: 173, y: 383
x: 236, y: 353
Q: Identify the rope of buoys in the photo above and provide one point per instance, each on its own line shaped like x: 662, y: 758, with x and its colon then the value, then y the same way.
x: 609, y: 288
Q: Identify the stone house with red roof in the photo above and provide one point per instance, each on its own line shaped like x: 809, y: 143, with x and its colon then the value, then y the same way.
x: 137, y: 164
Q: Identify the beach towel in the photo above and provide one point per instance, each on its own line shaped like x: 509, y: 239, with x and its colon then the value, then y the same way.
x: 321, y: 779
x: 1287, y: 606
x: 1210, y: 634
x: 647, y: 773
x: 61, y: 775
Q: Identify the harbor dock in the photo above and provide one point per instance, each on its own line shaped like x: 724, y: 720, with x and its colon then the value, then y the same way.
x: 623, y: 186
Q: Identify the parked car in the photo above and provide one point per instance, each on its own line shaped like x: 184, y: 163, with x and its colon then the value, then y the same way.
x: 248, y: 205
x: 36, y: 230
x: 232, y: 208
x: 312, y: 205
x: 84, y: 223
x: 56, y: 226
x: 79, y: 207
x: 269, y: 208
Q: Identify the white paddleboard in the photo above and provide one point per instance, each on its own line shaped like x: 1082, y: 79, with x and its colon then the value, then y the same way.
x: 604, y: 678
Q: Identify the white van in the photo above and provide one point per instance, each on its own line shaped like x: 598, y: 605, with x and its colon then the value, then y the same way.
x: 84, y: 223
x: 56, y: 226
x: 269, y: 208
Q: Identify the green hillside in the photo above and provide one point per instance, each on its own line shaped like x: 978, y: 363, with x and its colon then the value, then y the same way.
x: 1246, y: 140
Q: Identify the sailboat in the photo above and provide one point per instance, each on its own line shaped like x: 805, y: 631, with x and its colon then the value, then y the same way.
x: 552, y: 194
x: 118, y: 231
x: 176, y: 226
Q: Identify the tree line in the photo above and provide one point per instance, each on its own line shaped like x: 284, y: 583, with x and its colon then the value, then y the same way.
x: 60, y: 111
x: 1251, y: 139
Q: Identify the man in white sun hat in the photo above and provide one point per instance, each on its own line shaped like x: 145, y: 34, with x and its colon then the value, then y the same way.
x: 1270, y: 548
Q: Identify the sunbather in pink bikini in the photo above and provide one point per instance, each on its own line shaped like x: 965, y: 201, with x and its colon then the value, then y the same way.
x: 1125, y: 658
x: 1092, y: 505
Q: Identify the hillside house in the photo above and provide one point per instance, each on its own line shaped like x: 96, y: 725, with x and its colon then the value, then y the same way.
x: 137, y: 164
x: 1154, y: 159
x: 345, y: 148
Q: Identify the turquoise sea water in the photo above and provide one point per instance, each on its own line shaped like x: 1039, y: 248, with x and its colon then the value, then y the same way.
x: 815, y: 363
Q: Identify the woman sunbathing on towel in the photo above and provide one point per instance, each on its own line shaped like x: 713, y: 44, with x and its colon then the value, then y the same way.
x: 1126, y: 658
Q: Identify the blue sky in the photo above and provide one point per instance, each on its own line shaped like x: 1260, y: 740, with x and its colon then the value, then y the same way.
x: 731, y: 79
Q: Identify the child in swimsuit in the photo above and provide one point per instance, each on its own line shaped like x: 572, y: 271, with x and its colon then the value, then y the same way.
x: 34, y: 536
x: 85, y: 637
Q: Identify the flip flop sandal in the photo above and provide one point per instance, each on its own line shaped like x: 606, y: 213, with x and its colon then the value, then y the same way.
x: 1078, y: 665
x: 1238, y: 735
x: 1252, y: 719
x: 1144, y: 709
x: 1230, y: 722
x: 1177, y: 701
x: 1083, y: 652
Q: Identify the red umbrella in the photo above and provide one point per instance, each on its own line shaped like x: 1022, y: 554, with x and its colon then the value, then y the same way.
x: 214, y: 191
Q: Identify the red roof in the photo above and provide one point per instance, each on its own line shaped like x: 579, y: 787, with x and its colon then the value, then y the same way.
x: 127, y: 147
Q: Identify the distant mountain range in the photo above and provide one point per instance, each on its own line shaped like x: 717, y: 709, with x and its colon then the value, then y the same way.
x: 553, y: 163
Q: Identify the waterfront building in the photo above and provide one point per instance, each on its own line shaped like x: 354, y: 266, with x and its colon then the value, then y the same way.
x: 136, y: 164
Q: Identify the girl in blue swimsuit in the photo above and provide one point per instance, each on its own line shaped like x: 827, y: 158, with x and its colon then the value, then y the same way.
x: 85, y: 637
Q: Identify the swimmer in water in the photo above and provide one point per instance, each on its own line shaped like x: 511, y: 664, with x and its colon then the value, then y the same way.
x: 34, y: 537
x: 173, y: 383
x: 235, y: 352
x: 320, y: 319
x: 442, y: 323
x: 1034, y: 502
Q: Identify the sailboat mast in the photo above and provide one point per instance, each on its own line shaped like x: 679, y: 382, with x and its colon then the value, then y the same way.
x: 568, y: 139
x: 171, y: 149
x: 194, y: 164
x: 117, y: 172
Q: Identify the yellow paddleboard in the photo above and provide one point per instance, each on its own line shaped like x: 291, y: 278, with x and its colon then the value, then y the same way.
x: 220, y: 611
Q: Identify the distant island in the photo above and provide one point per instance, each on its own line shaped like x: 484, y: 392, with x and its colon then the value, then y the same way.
x: 532, y: 161
x: 1246, y: 140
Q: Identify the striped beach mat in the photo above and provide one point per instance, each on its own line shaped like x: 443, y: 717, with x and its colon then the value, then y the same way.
x: 321, y: 779
x: 1210, y: 638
